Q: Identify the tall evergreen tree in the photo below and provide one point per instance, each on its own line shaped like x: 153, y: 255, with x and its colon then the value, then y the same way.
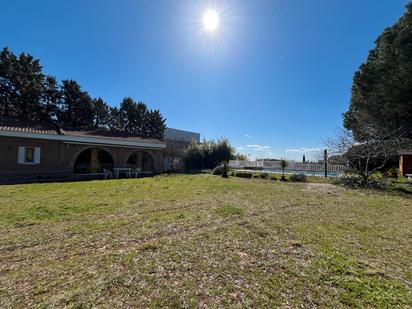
x: 26, y: 93
x: 382, y: 87
x: 51, y: 97
x: 28, y: 79
x: 154, y: 125
x: 132, y: 116
x: 101, y: 113
x: 115, y: 120
x: 21, y: 86
x: 8, y: 92
x: 77, y: 107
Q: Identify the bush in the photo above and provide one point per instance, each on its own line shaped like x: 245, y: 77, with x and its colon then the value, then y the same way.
x: 264, y: 175
x: 393, y: 173
x: 232, y: 173
x: 273, y: 177
x: 353, y: 181
x: 298, y: 178
x: 221, y: 170
x: 218, y: 170
x: 255, y: 176
x: 244, y: 174
x: 225, y: 170
x: 207, y: 154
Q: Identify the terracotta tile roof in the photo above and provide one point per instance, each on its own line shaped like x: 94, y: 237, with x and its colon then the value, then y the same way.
x: 107, y: 134
x: 27, y: 127
x: 13, y: 125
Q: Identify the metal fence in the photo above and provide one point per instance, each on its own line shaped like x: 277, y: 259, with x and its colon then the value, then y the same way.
x: 312, y: 167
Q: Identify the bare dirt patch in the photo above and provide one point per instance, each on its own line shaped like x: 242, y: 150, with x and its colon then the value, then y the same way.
x: 322, y: 188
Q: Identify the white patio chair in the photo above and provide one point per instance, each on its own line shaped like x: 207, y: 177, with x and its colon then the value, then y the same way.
x: 107, y: 173
x: 136, y: 171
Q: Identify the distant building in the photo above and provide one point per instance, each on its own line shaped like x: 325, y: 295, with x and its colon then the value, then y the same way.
x: 181, y: 136
x: 176, y: 143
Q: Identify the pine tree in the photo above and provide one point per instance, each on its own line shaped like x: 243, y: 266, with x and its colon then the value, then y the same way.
x: 101, y: 113
x: 21, y: 86
x: 77, y: 106
x: 26, y: 93
x: 155, y: 125
x: 8, y: 91
x: 382, y: 87
x: 28, y: 80
x: 132, y: 116
x: 115, y: 119
x: 51, y: 98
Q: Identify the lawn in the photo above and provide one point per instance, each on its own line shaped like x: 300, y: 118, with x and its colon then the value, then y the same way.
x: 203, y: 241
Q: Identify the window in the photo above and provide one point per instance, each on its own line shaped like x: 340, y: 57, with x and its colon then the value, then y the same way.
x: 28, y: 155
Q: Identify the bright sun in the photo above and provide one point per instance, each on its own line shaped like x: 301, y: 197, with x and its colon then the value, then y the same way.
x: 210, y: 21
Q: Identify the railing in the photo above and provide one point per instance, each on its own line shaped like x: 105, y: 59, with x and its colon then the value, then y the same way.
x: 313, y: 167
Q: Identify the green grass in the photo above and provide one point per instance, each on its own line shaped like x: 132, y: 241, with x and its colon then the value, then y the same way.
x: 228, y: 210
x: 203, y: 241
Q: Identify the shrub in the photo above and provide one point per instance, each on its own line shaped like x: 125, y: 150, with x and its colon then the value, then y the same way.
x: 232, y: 173
x: 218, y: 170
x: 264, y: 175
x: 225, y: 170
x: 394, y: 173
x: 273, y: 177
x: 221, y: 170
x: 207, y: 154
x: 255, y: 176
x: 353, y: 181
x: 298, y: 178
x: 283, y: 178
x: 244, y: 174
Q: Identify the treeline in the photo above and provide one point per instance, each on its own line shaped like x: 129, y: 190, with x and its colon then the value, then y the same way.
x: 27, y: 93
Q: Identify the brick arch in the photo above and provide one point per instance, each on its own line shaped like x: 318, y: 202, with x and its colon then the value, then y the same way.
x: 82, y: 149
x: 139, y: 153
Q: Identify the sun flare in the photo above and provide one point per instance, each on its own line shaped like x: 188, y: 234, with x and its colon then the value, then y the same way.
x: 210, y: 21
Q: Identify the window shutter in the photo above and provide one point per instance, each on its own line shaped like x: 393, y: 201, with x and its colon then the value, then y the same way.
x: 20, y: 156
x: 37, y: 155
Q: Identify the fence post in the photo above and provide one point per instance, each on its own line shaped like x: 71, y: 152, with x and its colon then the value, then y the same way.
x: 325, y: 158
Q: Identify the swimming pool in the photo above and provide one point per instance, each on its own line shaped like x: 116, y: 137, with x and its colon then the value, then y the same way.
x: 307, y: 173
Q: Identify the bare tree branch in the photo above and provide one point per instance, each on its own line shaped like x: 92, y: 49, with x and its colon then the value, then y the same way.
x: 376, y: 146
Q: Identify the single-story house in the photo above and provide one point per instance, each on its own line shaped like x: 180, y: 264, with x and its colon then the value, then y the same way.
x: 405, y: 162
x: 31, y: 151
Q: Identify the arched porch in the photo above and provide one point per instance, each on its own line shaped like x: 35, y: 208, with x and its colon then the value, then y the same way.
x: 141, y: 160
x: 93, y: 160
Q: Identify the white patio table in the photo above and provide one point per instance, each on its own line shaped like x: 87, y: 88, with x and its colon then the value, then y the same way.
x: 126, y: 170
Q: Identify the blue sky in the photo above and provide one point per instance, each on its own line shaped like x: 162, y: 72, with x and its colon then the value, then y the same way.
x: 274, y: 77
